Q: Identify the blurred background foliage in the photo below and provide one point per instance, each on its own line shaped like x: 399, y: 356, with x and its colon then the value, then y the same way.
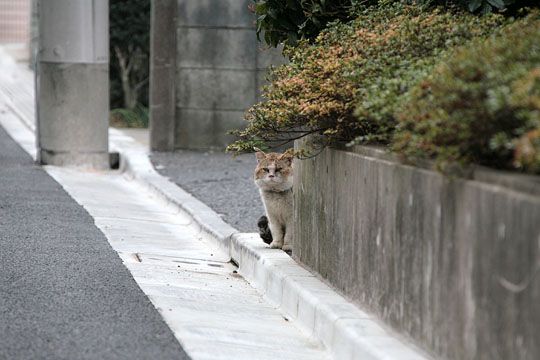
x: 129, y: 62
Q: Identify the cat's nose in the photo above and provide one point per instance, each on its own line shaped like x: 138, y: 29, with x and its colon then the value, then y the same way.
x: 271, y: 176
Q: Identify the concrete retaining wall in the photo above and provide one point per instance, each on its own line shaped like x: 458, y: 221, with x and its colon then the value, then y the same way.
x: 453, y: 264
x: 218, y: 65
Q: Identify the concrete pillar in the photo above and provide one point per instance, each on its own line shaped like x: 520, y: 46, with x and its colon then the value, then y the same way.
x: 73, y: 83
x: 162, y: 74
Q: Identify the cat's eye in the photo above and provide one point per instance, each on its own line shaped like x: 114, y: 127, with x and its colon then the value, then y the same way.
x: 278, y: 169
x: 265, y: 169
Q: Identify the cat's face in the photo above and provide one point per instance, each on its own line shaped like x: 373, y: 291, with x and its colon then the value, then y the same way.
x: 274, y: 171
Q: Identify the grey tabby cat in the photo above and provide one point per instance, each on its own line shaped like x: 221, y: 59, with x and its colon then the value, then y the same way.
x: 274, y: 177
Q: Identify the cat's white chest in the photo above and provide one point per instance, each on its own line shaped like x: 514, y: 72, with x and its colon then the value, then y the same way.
x: 278, y: 205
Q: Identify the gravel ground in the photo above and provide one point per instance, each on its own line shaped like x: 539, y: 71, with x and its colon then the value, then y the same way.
x: 219, y: 180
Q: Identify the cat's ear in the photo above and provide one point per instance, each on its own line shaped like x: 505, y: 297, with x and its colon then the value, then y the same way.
x: 287, y: 156
x: 260, y: 155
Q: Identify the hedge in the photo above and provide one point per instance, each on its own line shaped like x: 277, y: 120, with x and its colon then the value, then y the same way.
x: 481, y: 104
x: 347, y: 84
x: 434, y: 84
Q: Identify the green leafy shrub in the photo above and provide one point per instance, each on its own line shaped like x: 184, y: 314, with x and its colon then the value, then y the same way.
x: 348, y: 83
x: 486, y: 6
x: 130, y: 118
x: 481, y: 104
x: 288, y: 21
x: 292, y: 20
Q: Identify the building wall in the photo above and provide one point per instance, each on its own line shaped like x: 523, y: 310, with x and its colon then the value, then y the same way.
x: 219, y: 69
x: 451, y: 263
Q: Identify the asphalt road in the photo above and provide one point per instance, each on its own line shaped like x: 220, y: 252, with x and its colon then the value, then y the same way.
x: 64, y: 292
x: 223, y: 182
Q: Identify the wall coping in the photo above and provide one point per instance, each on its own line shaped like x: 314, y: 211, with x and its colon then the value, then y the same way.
x: 524, y: 183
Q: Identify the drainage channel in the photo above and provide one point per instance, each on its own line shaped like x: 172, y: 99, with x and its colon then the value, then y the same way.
x: 213, y: 311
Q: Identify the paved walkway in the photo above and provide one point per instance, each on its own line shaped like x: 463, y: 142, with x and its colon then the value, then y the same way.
x: 65, y: 293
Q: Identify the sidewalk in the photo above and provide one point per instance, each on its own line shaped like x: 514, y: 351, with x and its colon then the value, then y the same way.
x: 64, y: 291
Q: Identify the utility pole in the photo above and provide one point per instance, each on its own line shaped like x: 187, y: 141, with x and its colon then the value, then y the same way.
x: 73, y: 83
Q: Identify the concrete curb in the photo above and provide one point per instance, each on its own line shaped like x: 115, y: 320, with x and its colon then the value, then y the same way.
x: 346, y: 331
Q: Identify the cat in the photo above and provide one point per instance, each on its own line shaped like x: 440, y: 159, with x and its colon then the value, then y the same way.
x: 274, y: 178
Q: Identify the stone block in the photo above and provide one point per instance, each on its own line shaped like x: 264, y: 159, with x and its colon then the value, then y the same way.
x: 269, y: 56
x: 216, y: 48
x: 215, y: 13
x: 215, y: 89
x: 206, y: 129
x: 261, y: 81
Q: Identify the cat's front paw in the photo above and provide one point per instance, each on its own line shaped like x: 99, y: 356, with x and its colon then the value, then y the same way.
x: 276, y: 244
x: 286, y: 247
